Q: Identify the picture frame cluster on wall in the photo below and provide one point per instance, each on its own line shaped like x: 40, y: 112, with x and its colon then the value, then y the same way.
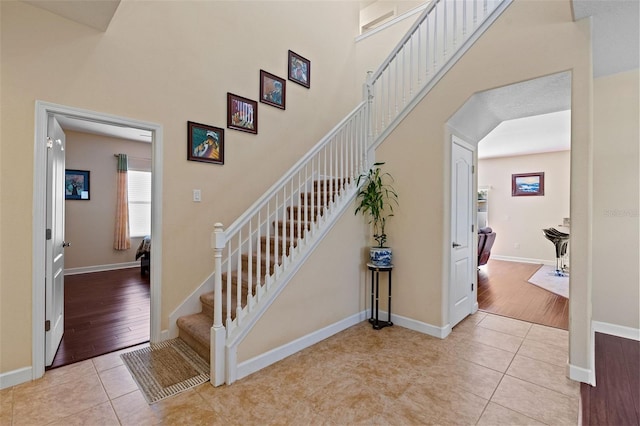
x: 205, y: 143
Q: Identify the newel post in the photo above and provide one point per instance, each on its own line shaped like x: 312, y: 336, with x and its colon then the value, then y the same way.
x: 218, y: 332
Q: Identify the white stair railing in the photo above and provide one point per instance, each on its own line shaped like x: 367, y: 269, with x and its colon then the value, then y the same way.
x: 439, y: 36
x: 290, y: 217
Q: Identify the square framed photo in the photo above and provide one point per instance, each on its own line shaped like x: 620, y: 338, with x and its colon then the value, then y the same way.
x: 299, y: 69
x: 527, y: 184
x: 273, y: 90
x: 242, y: 114
x: 205, y: 143
x: 76, y: 185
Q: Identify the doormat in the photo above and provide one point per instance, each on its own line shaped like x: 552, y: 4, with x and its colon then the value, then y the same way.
x: 546, y: 278
x: 166, y: 369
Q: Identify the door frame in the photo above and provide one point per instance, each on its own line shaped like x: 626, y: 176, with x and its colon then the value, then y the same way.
x: 42, y: 112
x: 456, y: 139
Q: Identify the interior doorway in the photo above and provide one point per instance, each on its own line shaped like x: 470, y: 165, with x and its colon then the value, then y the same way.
x: 480, y: 116
x: 44, y: 112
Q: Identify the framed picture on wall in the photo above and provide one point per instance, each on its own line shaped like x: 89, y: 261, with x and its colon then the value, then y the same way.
x: 205, y: 143
x: 273, y: 90
x: 242, y: 114
x: 76, y: 185
x: 299, y: 69
x: 527, y: 184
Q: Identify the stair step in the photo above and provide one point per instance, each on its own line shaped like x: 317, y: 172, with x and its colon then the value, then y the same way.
x: 287, y: 228
x: 272, y: 243
x: 207, y: 303
x: 313, y: 198
x: 272, y: 261
x: 195, y: 331
x: 298, y: 212
x: 322, y: 183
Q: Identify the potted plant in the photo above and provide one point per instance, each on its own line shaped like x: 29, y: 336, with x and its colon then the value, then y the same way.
x: 376, y: 198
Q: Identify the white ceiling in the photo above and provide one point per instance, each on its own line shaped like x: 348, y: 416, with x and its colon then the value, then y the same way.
x: 111, y: 130
x: 528, y: 135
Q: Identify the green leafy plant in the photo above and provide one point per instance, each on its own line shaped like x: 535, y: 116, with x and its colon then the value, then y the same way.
x: 376, y: 199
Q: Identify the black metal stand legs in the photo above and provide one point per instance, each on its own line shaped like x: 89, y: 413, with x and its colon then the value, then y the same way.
x: 375, y: 288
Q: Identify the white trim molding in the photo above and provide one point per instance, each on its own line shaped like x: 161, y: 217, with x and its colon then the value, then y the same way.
x: 15, y: 377
x: 392, y: 22
x: 266, y: 359
x: 100, y: 268
x: 415, y: 325
x: 580, y: 374
x: 43, y: 110
x: 616, y: 330
x: 523, y: 259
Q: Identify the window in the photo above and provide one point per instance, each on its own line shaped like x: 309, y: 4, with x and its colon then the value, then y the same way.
x: 139, y: 203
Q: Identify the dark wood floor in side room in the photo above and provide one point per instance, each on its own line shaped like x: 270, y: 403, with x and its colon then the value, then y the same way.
x: 104, y: 312
x: 615, y: 400
x: 503, y: 289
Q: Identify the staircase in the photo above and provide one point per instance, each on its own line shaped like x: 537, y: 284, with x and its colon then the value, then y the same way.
x: 260, y: 252
x: 195, y: 329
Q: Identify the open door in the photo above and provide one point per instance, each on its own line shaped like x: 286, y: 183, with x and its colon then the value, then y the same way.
x: 55, y: 244
x: 461, y: 292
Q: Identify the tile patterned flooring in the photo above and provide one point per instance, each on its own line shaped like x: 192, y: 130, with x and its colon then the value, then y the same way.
x: 491, y: 370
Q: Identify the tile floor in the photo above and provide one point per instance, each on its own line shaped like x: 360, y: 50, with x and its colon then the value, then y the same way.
x: 491, y: 370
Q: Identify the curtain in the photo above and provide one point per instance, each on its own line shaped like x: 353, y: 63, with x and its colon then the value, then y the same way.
x: 122, y: 241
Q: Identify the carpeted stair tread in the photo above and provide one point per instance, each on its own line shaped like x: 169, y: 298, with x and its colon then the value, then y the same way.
x: 195, y: 330
x: 280, y: 240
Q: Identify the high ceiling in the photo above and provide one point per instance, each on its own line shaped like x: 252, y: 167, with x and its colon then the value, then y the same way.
x: 616, y: 48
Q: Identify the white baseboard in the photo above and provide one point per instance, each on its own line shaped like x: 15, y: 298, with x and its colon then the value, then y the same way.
x: 523, y: 259
x: 191, y: 305
x: 101, y: 268
x: 419, y: 326
x: 266, y: 359
x: 16, y: 377
x: 616, y: 330
x: 580, y: 374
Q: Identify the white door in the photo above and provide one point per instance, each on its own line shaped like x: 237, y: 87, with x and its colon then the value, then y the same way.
x: 54, y: 251
x: 461, y: 292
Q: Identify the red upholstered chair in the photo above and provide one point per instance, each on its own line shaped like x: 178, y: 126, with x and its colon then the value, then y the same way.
x: 486, y: 238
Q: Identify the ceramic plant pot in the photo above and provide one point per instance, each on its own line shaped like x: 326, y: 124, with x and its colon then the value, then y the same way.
x: 380, y: 256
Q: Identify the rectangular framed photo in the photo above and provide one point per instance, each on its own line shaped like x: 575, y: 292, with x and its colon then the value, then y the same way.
x: 242, y: 114
x: 273, y: 90
x: 527, y: 184
x: 76, y: 185
x: 205, y: 143
x: 299, y: 69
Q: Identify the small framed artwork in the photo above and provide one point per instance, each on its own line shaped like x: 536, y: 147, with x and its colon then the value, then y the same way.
x: 76, y: 185
x: 527, y: 184
x: 299, y: 69
x: 272, y: 90
x: 205, y: 143
x: 242, y: 114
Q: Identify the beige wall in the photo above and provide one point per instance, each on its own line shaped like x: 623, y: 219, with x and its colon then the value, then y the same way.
x: 616, y: 231
x: 167, y: 62
x: 90, y: 224
x: 531, y: 39
x: 518, y: 221
x: 328, y: 288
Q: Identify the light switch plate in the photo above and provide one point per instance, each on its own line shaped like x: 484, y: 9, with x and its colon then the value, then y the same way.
x: 197, y: 196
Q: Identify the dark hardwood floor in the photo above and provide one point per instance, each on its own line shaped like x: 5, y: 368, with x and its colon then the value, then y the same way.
x: 104, y: 312
x: 615, y: 400
x: 503, y: 290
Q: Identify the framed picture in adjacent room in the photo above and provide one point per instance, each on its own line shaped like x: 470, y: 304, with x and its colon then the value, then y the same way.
x: 299, y: 69
x: 273, y: 90
x: 242, y: 114
x: 205, y: 143
x: 527, y: 184
x: 76, y: 185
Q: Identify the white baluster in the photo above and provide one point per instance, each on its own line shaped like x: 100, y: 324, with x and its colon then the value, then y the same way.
x: 259, y: 256
x: 268, y: 245
x: 239, y: 274
x: 464, y: 20
x: 444, y: 33
x: 217, y: 333
x: 229, y: 285
x: 250, y: 268
x: 435, y: 37
x: 455, y: 20
x: 418, y: 32
x: 290, y: 218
